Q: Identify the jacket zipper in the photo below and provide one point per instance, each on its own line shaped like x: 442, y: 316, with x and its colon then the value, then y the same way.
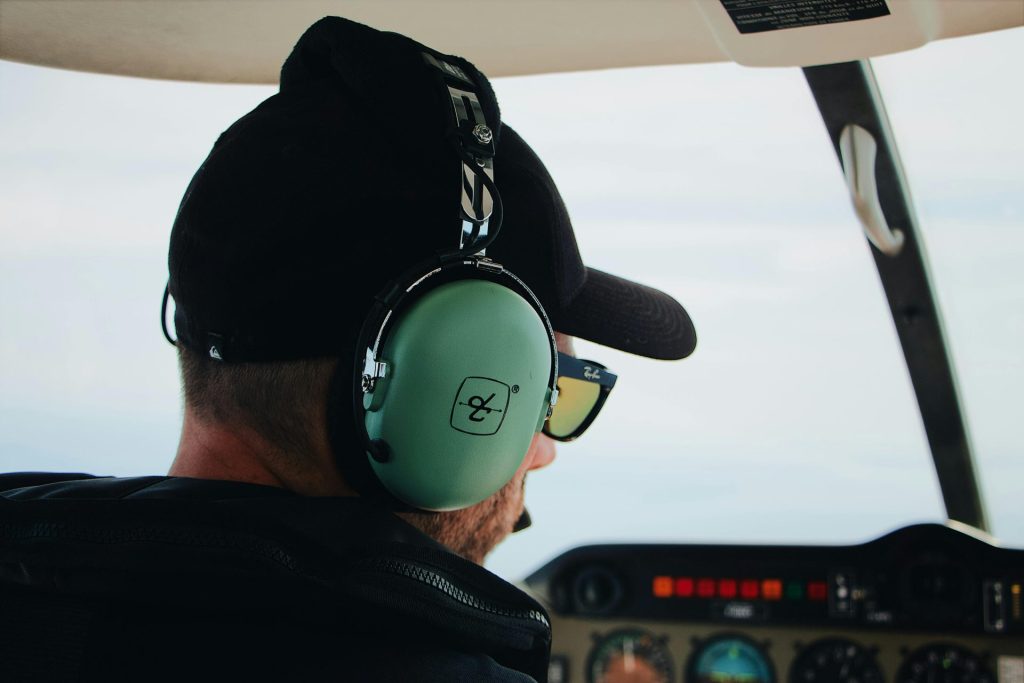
x: 440, y: 583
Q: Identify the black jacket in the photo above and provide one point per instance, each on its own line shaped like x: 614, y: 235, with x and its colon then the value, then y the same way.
x: 156, y: 578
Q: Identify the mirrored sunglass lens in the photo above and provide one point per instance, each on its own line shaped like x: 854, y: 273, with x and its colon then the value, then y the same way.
x: 576, y: 398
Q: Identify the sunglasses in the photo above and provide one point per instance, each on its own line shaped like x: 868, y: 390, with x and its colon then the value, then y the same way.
x: 583, y: 387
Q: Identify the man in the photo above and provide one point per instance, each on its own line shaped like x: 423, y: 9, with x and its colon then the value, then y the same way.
x: 273, y: 549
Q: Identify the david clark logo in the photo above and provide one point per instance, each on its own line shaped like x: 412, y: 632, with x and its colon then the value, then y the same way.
x: 480, y: 406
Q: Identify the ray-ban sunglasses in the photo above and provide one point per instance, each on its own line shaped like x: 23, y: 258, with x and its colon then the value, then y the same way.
x: 583, y: 387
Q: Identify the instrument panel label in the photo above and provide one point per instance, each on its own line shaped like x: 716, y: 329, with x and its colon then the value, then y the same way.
x: 758, y: 16
x: 1011, y: 669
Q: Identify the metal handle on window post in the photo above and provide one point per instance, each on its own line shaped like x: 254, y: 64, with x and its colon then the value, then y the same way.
x: 858, y: 149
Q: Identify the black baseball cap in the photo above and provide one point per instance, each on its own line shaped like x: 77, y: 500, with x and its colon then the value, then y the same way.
x: 310, y: 204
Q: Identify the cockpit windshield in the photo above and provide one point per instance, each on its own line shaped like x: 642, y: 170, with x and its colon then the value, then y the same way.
x: 955, y: 110
x: 794, y: 420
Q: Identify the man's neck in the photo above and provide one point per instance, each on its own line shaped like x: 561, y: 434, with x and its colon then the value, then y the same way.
x: 213, y: 450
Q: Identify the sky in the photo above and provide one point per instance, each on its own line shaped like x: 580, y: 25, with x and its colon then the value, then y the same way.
x: 794, y: 421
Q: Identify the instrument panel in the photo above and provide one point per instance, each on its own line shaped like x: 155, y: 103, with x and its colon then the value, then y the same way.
x: 925, y: 604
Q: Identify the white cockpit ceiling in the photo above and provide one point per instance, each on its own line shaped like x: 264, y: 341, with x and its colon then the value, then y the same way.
x: 245, y: 41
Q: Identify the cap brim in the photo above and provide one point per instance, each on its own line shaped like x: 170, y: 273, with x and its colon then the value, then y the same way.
x: 628, y: 316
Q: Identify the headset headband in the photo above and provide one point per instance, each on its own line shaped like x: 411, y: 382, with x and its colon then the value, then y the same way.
x: 473, y: 140
x: 481, y: 210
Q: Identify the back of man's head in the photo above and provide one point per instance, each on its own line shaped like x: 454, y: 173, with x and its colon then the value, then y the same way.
x: 304, y: 210
x: 282, y: 402
x: 311, y: 204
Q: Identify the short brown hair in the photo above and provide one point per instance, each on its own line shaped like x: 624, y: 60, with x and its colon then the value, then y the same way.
x: 284, y: 402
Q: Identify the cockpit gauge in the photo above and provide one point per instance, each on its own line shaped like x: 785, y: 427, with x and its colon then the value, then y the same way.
x: 835, y: 660
x: 729, y: 659
x: 944, y: 663
x: 630, y: 656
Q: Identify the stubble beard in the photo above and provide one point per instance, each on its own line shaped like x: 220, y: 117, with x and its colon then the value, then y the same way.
x: 475, y: 531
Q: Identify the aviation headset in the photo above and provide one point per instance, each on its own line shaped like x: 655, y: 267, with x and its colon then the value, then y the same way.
x: 456, y: 363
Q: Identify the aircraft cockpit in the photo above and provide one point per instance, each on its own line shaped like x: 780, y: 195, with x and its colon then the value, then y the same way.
x: 828, y: 490
x: 927, y: 602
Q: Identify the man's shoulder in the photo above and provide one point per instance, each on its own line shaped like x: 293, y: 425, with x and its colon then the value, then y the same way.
x: 79, y: 486
x: 13, y: 482
x: 151, y: 552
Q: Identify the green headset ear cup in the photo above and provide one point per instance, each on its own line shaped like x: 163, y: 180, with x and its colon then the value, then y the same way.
x: 469, y: 367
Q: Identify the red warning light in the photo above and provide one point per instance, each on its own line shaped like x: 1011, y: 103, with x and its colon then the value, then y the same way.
x: 749, y: 589
x: 727, y: 588
x: 662, y: 586
x: 705, y: 588
x: 684, y: 587
x: 771, y: 589
x: 817, y: 590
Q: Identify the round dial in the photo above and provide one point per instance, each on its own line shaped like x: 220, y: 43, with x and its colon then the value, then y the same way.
x: 944, y: 663
x: 630, y: 656
x: 729, y: 659
x: 835, y: 660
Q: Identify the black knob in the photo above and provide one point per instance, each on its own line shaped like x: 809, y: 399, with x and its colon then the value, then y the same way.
x: 596, y: 590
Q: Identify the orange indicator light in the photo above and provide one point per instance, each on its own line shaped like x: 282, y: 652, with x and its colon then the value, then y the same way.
x: 663, y: 586
x: 684, y: 587
x: 727, y: 588
x: 749, y: 589
x: 1015, y: 607
x: 706, y: 588
x: 817, y: 590
x: 771, y: 589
